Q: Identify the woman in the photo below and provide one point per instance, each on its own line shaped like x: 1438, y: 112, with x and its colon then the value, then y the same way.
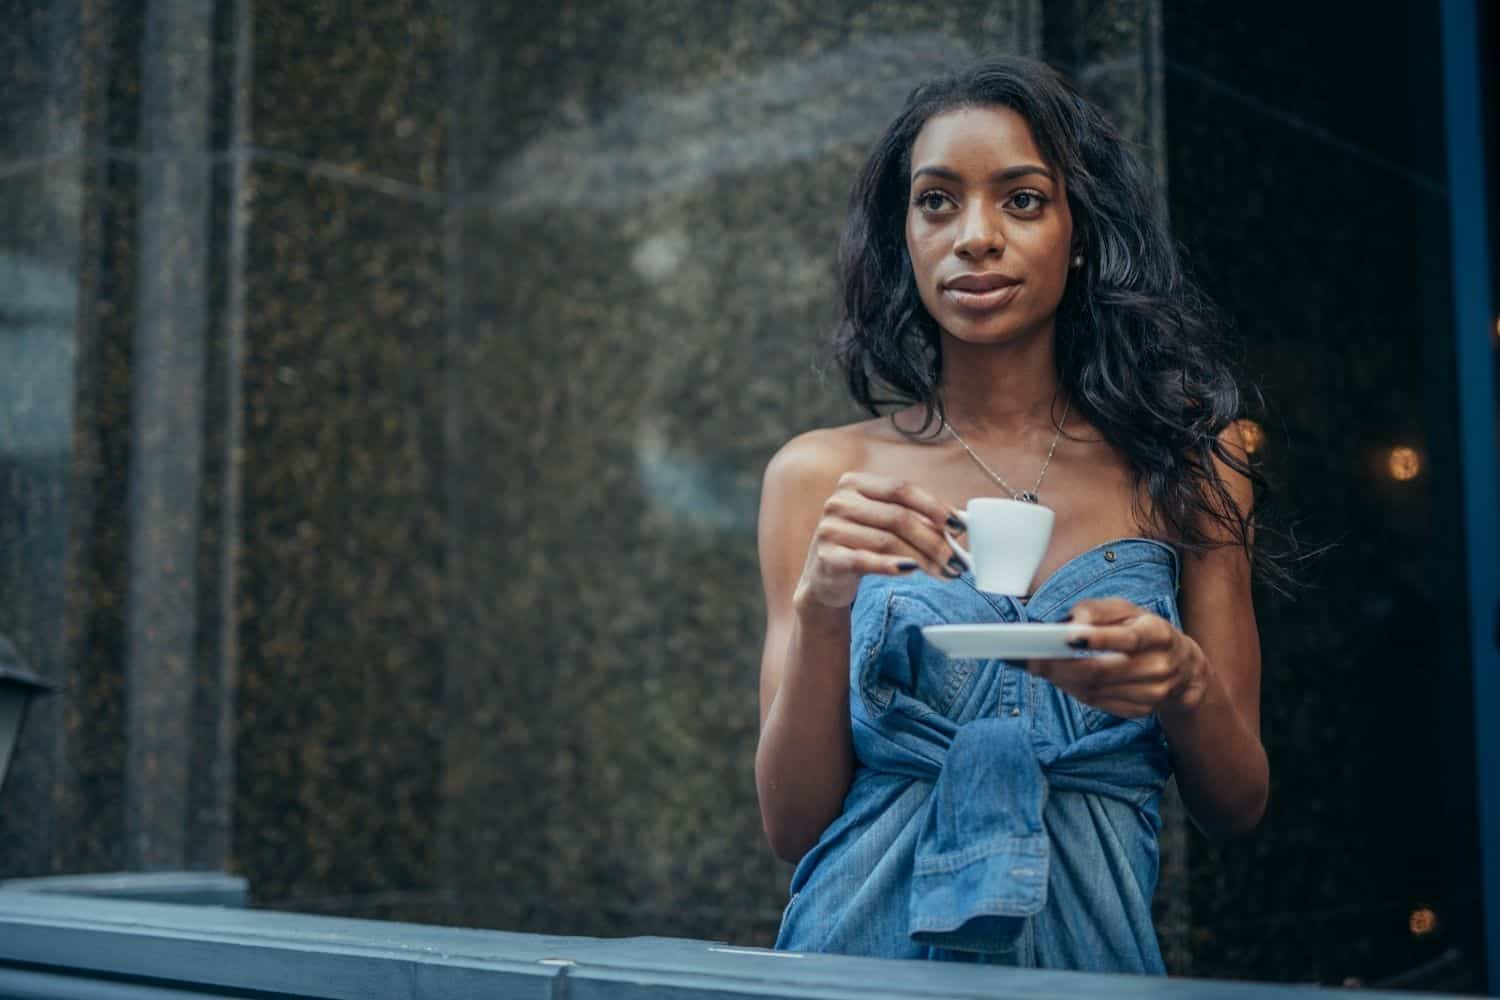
x: 1014, y: 306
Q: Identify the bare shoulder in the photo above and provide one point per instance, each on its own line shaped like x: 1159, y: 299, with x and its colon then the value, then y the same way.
x: 1241, y: 490
x: 1233, y: 438
x: 1234, y: 504
x: 816, y: 459
x: 799, y: 479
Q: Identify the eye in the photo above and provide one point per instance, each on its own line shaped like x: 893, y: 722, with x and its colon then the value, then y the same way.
x: 1027, y: 201
x: 932, y: 201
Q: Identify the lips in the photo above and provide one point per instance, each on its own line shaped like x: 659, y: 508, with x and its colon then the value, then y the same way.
x: 984, y: 282
x: 982, y: 292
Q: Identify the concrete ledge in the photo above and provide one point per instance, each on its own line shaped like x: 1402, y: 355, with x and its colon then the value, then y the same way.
x: 56, y: 945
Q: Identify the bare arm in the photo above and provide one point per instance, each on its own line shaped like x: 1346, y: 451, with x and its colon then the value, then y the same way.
x: 1221, y: 765
x: 1203, y: 680
x: 804, y: 761
x: 821, y: 530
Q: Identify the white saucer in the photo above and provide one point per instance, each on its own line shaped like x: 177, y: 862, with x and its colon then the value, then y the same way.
x: 1006, y: 640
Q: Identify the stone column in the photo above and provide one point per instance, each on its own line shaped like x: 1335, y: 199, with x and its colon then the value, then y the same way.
x: 136, y: 755
x: 41, y: 165
x: 168, y: 371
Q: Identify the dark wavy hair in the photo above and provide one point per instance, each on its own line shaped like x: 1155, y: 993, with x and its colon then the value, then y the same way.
x: 1140, y: 349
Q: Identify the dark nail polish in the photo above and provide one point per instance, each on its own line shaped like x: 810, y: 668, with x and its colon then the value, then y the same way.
x: 957, y: 565
x: 955, y: 524
x: 907, y: 566
x: 1078, y: 643
x: 1066, y: 618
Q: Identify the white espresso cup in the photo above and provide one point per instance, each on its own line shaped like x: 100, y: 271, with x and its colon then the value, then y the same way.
x: 1007, y: 540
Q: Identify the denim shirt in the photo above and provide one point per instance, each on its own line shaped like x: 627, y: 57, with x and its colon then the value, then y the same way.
x: 991, y: 817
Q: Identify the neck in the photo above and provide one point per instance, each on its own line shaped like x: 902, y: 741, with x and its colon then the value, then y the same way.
x: 1001, y: 388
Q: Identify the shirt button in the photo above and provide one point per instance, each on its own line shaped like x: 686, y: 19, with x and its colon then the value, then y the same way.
x: 1109, y: 555
x: 1015, y: 712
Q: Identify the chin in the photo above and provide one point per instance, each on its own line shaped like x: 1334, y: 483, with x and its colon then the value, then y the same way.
x: 982, y: 331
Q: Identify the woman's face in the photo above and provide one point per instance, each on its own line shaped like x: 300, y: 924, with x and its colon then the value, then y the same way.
x: 987, y: 227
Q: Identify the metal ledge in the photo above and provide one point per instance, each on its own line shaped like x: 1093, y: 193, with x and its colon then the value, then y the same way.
x: 187, y: 887
x: 62, y: 945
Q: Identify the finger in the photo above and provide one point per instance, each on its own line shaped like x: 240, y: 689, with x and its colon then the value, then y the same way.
x: 1144, y: 695
x: 1134, y: 670
x: 899, y: 491
x: 1116, y: 638
x: 1140, y: 634
x: 852, y: 535
x: 1082, y: 667
x: 859, y: 562
x: 1071, y: 660
x: 1043, y: 666
x: 912, y: 526
x: 1103, y: 611
x: 1104, y: 682
x: 1085, y: 678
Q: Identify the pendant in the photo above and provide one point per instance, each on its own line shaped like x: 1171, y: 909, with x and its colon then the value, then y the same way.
x: 1025, y: 497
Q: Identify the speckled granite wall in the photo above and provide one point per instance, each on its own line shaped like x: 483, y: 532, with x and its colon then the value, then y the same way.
x: 341, y: 658
x: 340, y: 609
x: 650, y: 209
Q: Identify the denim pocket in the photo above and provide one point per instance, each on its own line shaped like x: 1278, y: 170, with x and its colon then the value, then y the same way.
x: 896, y: 666
x: 1095, y: 719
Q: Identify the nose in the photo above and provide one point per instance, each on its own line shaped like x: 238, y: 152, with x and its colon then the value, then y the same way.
x: 980, y: 235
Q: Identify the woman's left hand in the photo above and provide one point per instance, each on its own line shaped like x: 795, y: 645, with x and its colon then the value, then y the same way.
x: 1148, y: 664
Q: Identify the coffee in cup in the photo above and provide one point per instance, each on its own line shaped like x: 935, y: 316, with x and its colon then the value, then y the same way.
x: 1007, y: 540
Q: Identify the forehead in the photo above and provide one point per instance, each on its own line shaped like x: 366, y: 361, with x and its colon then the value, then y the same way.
x: 984, y: 139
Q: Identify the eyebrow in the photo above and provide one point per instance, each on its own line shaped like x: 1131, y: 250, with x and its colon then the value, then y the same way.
x: 1008, y: 174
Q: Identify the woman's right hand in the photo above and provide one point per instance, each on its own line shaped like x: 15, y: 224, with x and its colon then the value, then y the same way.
x: 875, y: 525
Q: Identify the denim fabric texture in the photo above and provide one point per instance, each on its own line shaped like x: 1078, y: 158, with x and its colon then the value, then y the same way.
x: 992, y: 817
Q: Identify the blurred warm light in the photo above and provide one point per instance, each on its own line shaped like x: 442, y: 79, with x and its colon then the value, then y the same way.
x: 1497, y: 330
x: 1404, y: 463
x: 1423, y: 921
x: 1251, y: 434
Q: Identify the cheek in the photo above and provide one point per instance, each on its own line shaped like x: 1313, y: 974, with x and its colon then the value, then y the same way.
x: 925, y: 257
x: 914, y: 246
x: 924, y: 246
x: 1053, y: 261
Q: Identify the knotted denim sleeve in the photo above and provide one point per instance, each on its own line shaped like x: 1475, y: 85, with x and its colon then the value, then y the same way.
x: 981, y: 858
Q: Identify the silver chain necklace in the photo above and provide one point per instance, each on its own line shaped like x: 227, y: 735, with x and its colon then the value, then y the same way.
x: 1025, y: 496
